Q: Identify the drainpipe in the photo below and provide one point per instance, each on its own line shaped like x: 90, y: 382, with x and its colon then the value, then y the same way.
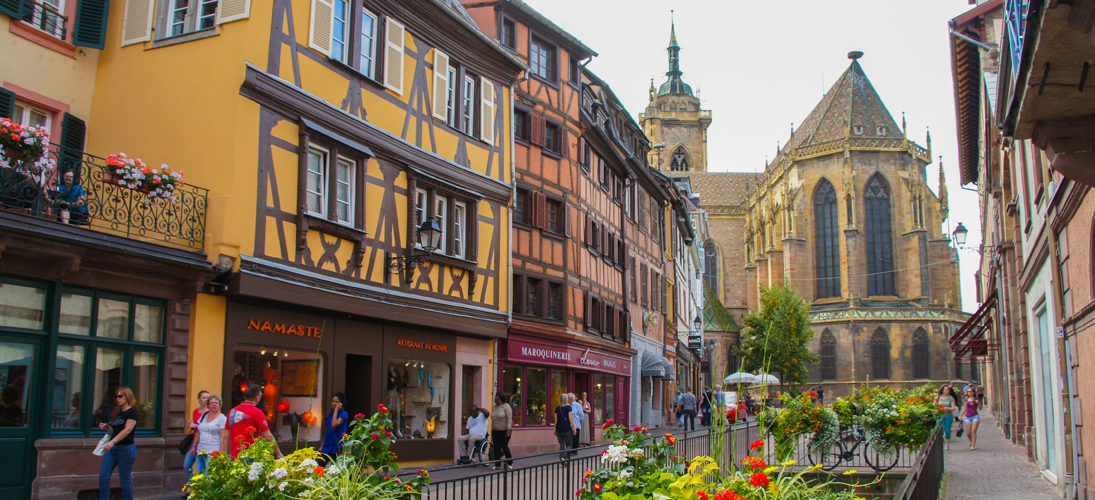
x: 1064, y: 359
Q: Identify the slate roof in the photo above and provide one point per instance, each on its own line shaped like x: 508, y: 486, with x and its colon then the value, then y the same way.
x: 851, y: 96
x: 719, y: 188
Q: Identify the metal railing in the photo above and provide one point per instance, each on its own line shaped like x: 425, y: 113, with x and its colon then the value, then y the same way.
x: 106, y: 207
x: 923, y: 481
x: 856, y: 459
x: 44, y: 17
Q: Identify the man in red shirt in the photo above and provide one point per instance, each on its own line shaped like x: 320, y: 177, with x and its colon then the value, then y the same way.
x: 247, y: 421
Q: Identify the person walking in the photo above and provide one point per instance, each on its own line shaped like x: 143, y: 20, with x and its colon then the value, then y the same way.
x: 587, y: 435
x: 336, y: 423
x: 192, y: 426
x: 981, y: 394
x: 973, y: 419
x: 212, y: 434
x: 947, y: 401
x: 958, y: 414
x: 501, y: 428
x: 687, y: 409
x: 247, y: 423
x: 678, y: 417
x: 579, y: 416
x: 705, y: 407
x: 565, y: 429
x: 120, y: 451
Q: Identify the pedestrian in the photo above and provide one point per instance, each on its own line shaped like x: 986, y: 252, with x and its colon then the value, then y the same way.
x: 981, y: 394
x: 212, y: 434
x: 677, y: 415
x: 120, y: 451
x: 501, y: 428
x: 947, y: 401
x: 587, y: 434
x: 821, y: 396
x: 958, y: 415
x: 579, y: 415
x: 688, y: 409
x: 564, y: 427
x: 705, y: 407
x: 247, y: 423
x: 336, y: 423
x: 973, y: 419
x: 192, y: 425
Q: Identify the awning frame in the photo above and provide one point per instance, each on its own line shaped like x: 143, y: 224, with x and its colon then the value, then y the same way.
x: 969, y: 342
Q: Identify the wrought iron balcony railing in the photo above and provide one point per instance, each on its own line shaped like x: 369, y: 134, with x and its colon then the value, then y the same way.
x: 1015, y: 18
x: 45, y: 17
x: 93, y: 203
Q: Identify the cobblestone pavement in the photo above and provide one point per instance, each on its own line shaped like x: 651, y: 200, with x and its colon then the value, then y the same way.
x: 997, y: 469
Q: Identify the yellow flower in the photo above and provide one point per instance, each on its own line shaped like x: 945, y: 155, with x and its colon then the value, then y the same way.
x: 815, y: 466
x: 197, y: 477
x: 850, y: 472
x: 771, y: 469
x: 789, y: 463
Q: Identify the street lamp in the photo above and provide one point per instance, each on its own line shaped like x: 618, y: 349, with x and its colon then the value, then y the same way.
x: 697, y: 324
x: 429, y: 240
x: 960, y: 234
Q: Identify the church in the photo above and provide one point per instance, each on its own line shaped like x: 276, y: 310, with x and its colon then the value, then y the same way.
x: 844, y: 214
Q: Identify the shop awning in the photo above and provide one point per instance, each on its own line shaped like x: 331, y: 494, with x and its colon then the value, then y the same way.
x: 970, y: 341
x: 670, y: 370
x: 652, y: 365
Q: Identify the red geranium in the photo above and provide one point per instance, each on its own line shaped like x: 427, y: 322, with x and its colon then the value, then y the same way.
x: 375, y: 436
x: 727, y: 495
x: 757, y: 445
x: 701, y: 495
x: 759, y: 479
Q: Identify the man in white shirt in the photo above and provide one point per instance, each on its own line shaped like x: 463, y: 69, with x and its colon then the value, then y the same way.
x: 579, y: 416
x: 477, y: 431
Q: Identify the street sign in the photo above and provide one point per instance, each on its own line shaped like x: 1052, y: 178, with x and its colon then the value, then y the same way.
x: 695, y: 342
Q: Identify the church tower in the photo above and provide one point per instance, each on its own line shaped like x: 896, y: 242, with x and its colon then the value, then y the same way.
x: 674, y: 122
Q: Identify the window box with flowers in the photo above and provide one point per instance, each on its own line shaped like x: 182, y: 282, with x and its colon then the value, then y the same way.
x: 22, y: 147
x: 134, y: 173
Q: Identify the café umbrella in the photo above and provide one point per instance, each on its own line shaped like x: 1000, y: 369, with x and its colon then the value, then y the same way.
x: 739, y: 378
x: 765, y: 379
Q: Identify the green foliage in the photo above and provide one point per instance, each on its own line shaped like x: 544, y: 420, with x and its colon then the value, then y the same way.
x: 800, y: 416
x: 631, y: 469
x: 775, y: 338
x: 894, y: 419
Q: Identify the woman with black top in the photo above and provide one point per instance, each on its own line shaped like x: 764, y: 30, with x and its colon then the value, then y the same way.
x: 120, y: 451
x: 705, y: 407
x: 564, y: 426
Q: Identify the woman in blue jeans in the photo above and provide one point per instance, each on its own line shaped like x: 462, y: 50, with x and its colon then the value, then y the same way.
x: 948, y: 402
x: 120, y: 451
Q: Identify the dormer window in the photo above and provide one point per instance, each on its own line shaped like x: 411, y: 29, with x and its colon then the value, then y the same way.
x: 882, y: 130
x: 858, y: 130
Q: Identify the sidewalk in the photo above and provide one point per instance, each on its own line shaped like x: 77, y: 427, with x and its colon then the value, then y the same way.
x: 997, y: 469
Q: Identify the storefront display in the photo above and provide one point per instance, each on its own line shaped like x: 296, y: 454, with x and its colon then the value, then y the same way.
x: 291, y: 395
x: 418, y: 397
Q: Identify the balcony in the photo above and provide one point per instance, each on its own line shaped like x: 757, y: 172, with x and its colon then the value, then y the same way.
x: 44, y: 16
x: 104, y: 207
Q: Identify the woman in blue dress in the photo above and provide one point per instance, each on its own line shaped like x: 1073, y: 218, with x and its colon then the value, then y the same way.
x: 336, y: 428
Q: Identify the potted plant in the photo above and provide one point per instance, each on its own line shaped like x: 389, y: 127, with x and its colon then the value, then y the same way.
x: 22, y: 143
x: 161, y: 182
x: 123, y: 171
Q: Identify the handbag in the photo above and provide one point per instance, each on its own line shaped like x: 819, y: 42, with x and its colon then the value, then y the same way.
x: 188, y: 439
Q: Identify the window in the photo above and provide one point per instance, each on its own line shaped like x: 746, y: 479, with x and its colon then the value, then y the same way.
x: 538, y: 296
x: 45, y: 15
x: 629, y: 200
x: 450, y: 114
x: 537, y: 396
x: 533, y: 292
x: 468, y: 106
x: 319, y: 185
x: 367, y: 62
x: 188, y: 16
x: 511, y: 385
x: 880, y: 273
x: 921, y: 355
x: 645, y: 286
x: 587, y: 156
x: 554, y: 209
x: 340, y: 30
x: 552, y: 139
x: 618, y: 191
x: 29, y: 116
x: 880, y: 355
x: 641, y: 204
x: 711, y: 266
x: 459, y: 227
x: 634, y: 284
x: 555, y: 301
x: 1062, y: 271
x: 828, y: 356
x: 594, y: 314
x: 440, y: 211
x: 679, y: 161
x: 575, y: 72
x: 605, y: 173
x: 420, y: 199
x: 508, y: 34
x: 522, y: 210
x: 542, y: 59
x: 827, y: 243
x: 521, y: 129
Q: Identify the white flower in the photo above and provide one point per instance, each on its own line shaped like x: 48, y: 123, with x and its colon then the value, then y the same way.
x: 279, y: 473
x: 255, y: 472
x: 624, y: 474
x: 636, y: 453
x: 333, y: 470
x: 309, y: 480
x: 281, y: 487
x: 615, y: 454
x: 309, y: 464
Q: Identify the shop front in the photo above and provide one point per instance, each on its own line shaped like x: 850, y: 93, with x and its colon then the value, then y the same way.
x: 302, y: 357
x: 533, y: 371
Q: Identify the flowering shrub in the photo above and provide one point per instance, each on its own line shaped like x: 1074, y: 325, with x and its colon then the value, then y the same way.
x: 899, y: 419
x: 799, y: 416
x: 22, y: 147
x: 630, y: 467
x: 134, y: 173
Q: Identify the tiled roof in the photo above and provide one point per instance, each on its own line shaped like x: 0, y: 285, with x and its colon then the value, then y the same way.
x: 719, y: 188
x: 853, y: 97
x: 715, y: 317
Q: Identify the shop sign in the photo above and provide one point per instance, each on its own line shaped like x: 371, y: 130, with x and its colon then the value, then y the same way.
x: 565, y: 355
x: 283, y: 328
x: 413, y: 344
x: 695, y: 342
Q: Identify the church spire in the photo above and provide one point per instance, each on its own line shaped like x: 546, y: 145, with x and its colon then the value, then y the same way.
x: 674, y: 85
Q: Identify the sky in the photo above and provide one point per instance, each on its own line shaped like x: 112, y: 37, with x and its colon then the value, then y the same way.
x: 760, y: 66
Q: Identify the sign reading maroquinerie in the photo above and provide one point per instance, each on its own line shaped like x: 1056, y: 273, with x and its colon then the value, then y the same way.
x: 298, y: 330
x: 422, y: 345
x: 566, y: 355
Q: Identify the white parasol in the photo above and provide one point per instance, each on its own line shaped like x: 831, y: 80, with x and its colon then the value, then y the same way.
x: 739, y: 378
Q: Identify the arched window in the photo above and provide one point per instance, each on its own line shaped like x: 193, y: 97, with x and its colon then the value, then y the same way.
x: 828, y: 356
x: 828, y: 242
x: 679, y: 161
x: 879, y: 227
x: 711, y: 266
x: 921, y: 354
x: 880, y: 355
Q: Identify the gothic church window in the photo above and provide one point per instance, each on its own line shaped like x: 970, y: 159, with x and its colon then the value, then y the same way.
x: 880, y: 355
x: 828, y: 356
x: 879, y: 229
x: 711, y: 266
x: 679, y: 162
x: 920, y: 354
x: 827, y: 242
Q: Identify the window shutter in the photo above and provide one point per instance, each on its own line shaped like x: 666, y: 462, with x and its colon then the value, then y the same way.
x: 486, y: 114
x: 233, y: 10
x: 393, y: 57
x: 540, y: 212
x: 137, y: 24
x: 627, y: 261
x: 589, y: 310
x: 7, y: 101
x: 643, y: 278
x: 91, y: 23
x: 566, y: 220
x: 582, y: 152
x: 564, y: 141
x: 12, y: 8
x: 440, y: 85
x: 538, y: 125
x: 72, y: 138
x: 322, y: 24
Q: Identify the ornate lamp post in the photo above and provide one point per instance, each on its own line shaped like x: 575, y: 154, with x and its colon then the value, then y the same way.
x: 429, y: 240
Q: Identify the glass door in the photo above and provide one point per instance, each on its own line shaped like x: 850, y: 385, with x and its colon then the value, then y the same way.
x: 19, y: 371
x: 1048, y: 352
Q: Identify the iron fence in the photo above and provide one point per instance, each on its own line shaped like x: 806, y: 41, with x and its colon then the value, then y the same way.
x: 923, y: 480
x: 855, y: 451
x: 92, y: 202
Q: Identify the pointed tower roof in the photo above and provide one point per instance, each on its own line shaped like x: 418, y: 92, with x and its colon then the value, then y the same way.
x: 673, y: 34
x: 674, y: 85
x: 852, y: 100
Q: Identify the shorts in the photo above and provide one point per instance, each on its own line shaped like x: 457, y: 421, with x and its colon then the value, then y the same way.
x: 973, y: 419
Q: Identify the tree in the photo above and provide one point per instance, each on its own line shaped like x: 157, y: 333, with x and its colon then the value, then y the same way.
x: 774, y: 339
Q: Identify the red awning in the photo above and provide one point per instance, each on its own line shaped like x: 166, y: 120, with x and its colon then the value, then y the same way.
x: 969, y: 342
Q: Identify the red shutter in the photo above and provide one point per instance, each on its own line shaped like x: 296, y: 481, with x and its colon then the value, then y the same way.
x: 582, y: 152
x: 589, y: 231
x: 589, y: 310
x: 538, y: 125
x: 564, y: 141
x: 540, y: 212
x: 566, y: 220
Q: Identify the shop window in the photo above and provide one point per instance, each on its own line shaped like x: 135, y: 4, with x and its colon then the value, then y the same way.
x: 511, y: 385
x: 418, y: 399
x: 17, y: 377
x: 68, y: 384
x: 22, y: 306
x: 610, y: 397
x: 537, y: 396
x: 558, y: 388
x: 599, y: 398
x: 75, y: 314
x: 292, y: 398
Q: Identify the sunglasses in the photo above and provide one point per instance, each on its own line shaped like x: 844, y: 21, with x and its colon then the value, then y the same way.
x: 119, y: 396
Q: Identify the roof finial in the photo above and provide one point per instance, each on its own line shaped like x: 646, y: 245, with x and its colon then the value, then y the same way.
x: 855, y: 54
x: 903, y: 134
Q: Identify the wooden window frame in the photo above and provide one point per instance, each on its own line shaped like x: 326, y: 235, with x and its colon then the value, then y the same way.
x: 587, y: 155
x: 554, y: 150
x: 524, y: 217
x: 503, y: 21
x: 521, y: 115
x: 335, y: 151
x: 644, y: 276
x: 553, y: 64
x: 560, y: 216
x: 575, y: 73
x: 449, y: 197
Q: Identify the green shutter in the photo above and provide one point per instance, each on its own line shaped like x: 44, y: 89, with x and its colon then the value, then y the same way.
x: 72, y: 140
x: 13, y: 8
x: 7, y: 101
x: 91, y: 17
